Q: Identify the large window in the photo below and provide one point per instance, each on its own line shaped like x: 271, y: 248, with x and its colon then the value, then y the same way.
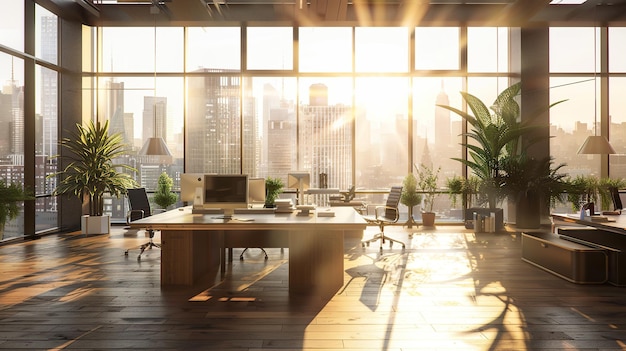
x: 12, y: 130
x: 12, y: 24
x: 572, y: 66
x: 270, y: 48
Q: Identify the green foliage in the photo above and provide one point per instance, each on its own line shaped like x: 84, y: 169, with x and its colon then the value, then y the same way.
x: 409, y: 196
x: 10, y: 195
x: 495, y: 133
x: 427, y: 179
x: 589, y: 188
x: 273, y: 187
x: 525, y: 174
x: 455, y: 187
x: 163, y: 196
x: 91, y: 171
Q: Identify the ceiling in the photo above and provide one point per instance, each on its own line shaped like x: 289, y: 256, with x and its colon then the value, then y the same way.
x: 514, y: 13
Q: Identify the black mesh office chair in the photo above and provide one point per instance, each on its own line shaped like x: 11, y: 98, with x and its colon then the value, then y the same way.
x: 385, y: 215
x: 140, y: 208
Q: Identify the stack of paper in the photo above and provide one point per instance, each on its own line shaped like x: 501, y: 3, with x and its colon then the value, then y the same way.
x: 283, y: 206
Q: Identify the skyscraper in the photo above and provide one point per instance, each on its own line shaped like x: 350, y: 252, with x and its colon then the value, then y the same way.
x: 442, y: 119
x: 325, y: 139
x: 213, y: 124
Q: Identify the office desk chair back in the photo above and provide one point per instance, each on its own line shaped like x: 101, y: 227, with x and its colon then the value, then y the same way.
x: 385, y: 215
x: 140, y: 208
x: 617, y: 200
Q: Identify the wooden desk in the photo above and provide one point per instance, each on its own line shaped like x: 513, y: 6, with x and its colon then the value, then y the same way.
x: 193, y: 245
x: 617, y: 223
x: 608, y: 236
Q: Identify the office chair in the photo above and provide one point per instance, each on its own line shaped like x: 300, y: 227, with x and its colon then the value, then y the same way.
x: 140, y: 208
x: 385, y: 215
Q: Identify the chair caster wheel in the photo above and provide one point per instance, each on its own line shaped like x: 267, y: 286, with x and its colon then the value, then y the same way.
x: 138, y: 258
x: 126, y: 253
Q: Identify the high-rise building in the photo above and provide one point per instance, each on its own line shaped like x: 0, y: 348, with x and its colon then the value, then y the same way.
x: 49, y: 86
x: 154, y: 117
x: 325, y: 139
x: 281, y: 131
x: 442, y: 119
x: 213, y: 124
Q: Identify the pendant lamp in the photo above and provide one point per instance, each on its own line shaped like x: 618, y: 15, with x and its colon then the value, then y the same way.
x: 155, y: 145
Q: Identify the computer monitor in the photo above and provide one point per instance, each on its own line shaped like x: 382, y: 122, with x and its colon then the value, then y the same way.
x: 256, y: 191
x: 226, y: 191
x: 189, y: 182
x: 300, y: 181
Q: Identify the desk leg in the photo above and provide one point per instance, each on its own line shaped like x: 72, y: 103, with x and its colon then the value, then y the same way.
x: 315, y: 262
x: 187, y: 256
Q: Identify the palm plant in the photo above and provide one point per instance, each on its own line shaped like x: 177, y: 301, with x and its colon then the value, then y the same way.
x: 91, y: 171
x: 495, y: 133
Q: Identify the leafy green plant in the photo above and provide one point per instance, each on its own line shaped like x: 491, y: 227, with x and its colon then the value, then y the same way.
x: 524, y: 174
x: 455, y: 187
x: 163, y: 196
x: 494, y: 134
x: 273, y: 187
x: 604, y: 187
x: 91, y: 171
x: 409, y: 196
x: 10, y: 195
x: 427, y: 179
x: 581, y: 189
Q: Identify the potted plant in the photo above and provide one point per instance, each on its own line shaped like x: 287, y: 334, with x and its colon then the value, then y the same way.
x: 273, y: 187
x: 533, y: 183
x: 494, y: 134
x: 10, y: 195
x: 427, y: 179
x: 410, y: 197
x: 582, y: 189
x: 91, y: 172
x: 604, y: 190
x: 163, y: 196
x: 455, y: 185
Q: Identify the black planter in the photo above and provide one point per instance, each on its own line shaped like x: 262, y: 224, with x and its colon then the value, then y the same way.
x: 528, y: 210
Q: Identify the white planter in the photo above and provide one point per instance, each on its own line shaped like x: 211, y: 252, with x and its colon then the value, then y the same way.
x: 95, y: 224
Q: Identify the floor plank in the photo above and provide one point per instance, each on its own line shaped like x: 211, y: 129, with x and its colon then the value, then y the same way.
x: 451, y: 289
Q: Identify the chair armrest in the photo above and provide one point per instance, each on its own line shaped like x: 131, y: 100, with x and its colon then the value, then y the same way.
x: 378, y: 213
x: 133, y: 215
x: 158, y: 210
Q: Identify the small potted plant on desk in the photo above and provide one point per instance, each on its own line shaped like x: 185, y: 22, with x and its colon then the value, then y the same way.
x: 91, y: 172
x: 273, y: 187
x: 163, y: 196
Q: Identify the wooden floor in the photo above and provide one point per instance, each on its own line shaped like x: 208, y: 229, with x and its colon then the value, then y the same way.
x: 449, y: 290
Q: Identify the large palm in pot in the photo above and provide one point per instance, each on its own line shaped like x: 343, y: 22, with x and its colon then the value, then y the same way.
x: 91, y: 171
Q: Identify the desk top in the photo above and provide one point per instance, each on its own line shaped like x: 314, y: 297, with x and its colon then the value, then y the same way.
x: 346, y: 218
x: 617, y: 223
